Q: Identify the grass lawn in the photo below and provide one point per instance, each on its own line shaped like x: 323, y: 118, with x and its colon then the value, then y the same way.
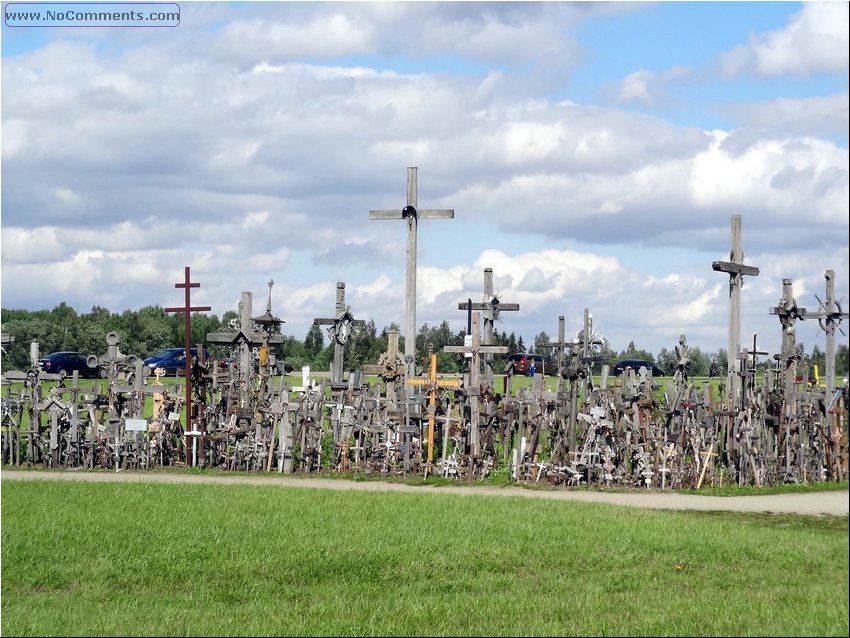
x: 149, y: 559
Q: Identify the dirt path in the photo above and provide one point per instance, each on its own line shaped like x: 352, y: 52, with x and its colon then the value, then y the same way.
x: 835, y: 503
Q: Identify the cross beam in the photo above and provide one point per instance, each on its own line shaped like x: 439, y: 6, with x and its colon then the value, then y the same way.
x: 411, y: 215
x: 187, y: 309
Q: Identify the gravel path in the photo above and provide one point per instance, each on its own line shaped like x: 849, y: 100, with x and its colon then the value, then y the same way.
x: 834, y: 503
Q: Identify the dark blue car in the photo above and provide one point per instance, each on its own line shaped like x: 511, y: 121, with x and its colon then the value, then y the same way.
x: 171, y: 359
x: 65, y: 363
x: 636, y: 365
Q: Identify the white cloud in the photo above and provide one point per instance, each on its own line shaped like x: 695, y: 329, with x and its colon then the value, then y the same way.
x: 820, y: 115
x: 647, y: 87
x: 815, y: 41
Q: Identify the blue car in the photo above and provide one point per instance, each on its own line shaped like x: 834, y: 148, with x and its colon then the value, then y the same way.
x: 171, y: 359
x: 64, y: 364
x: 637, y: 364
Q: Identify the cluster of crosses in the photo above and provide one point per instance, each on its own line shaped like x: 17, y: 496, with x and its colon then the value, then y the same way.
x: 632, y: 431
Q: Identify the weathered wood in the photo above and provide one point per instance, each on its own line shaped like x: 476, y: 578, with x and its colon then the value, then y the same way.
x: 411, y: 215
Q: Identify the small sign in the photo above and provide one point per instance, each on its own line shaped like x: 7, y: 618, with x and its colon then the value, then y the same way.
x: 467, y: 342
x: 136, y: 425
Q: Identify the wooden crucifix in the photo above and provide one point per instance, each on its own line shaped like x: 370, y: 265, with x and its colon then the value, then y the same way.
x: 491, y: 307
x: 341, y: 327
x: 410, y: 214
x: 474, y: 350
x: 187, y: 309
x: 736, y: 269
x: 431, y: 384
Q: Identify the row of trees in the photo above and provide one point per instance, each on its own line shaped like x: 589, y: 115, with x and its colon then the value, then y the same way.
x: 145, y: 331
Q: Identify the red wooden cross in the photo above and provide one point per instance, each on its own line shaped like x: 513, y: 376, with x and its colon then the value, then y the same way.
x: 187, y: 310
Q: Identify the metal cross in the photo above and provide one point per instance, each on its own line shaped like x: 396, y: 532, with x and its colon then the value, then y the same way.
x: 412, y: 216
x: 829, y: 318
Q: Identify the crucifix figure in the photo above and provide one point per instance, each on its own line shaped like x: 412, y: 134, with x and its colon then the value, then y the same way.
x: 411, y: 215
x: 736, y: 269
x: 491, y: 307
x: 187, y: 309
x: 340, y: 330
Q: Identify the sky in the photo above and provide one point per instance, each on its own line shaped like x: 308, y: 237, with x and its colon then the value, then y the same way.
x: 594, y: 154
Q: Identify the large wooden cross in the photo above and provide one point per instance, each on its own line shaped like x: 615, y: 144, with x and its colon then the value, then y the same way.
x: 342, y: 326
x: 431, y: 384
x: 187, y: 309
x: 412, y: 216
x: 491, y: 307
x: 736, y: 269
x: 829, y: 316
x: 474, y: 350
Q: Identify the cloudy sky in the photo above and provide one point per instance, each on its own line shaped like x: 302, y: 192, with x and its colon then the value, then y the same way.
x: 593, y: 153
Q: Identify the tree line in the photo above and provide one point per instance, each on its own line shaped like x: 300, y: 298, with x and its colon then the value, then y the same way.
x: 145, y: 331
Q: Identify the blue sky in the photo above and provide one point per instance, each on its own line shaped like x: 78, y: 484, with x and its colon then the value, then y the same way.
x: 594, y: 154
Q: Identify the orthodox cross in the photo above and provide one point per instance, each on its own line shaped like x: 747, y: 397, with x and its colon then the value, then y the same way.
x: 490, y: 307
x: 736, y: 269
x: 829, y: 317
x: 431, y: 384
x: 340, y: 330
x: 474, y: 350
x: 412, y: 216
x: 187, y: 309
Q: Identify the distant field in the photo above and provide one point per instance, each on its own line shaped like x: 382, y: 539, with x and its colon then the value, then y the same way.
x: 150, y: 559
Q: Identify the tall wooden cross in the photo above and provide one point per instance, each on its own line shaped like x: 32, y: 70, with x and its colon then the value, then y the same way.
x: 431, y: 384
x: 788, y: 312
x: 475, y: 350
x: 561, y: 344
x: 490, y: 307
x: 829, y: 317
x: 342, y: 326
x: 187, y: 309
x: 410, y: 214
x: 736, y: 269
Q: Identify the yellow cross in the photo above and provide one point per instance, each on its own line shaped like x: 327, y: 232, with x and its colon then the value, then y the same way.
x: 431, y: 384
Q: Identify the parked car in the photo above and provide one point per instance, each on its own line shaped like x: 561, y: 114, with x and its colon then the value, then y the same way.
x: 66, y: 362
x: 637, y: 364
x: 523, y: 363
x: 171, y: 359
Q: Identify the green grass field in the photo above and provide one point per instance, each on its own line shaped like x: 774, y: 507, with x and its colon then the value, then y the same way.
x: 149, y: 559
